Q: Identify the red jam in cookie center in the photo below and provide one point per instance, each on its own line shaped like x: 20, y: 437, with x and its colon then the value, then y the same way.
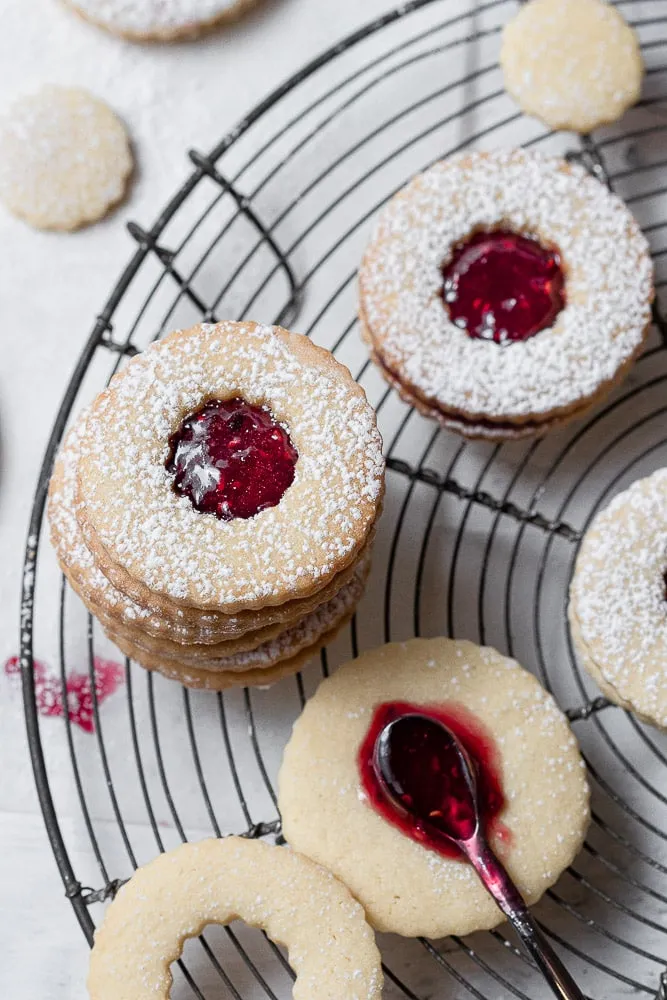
x: 502, y: 286
x: 231, y: 459
x: 427, y: 768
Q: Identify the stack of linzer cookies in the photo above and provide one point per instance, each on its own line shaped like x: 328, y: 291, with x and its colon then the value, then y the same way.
x: 233, y: 420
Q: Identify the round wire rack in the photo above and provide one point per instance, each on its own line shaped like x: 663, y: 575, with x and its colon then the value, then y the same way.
x: 476, y: 541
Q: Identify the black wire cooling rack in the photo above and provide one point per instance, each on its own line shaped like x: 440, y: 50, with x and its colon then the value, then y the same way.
x: 476, y: 540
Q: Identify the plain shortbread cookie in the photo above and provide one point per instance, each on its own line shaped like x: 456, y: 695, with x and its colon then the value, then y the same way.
x: 575, y: 64
x: 331, y: 947
x: 66, y: 158
x: 403, y: 886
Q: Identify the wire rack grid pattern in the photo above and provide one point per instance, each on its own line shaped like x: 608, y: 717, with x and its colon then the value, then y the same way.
x: 476, y: 541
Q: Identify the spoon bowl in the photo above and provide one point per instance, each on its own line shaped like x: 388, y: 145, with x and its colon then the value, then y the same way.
x: 433, y: 800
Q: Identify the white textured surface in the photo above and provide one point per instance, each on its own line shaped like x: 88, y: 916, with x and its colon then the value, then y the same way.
x: 50, y: 289
x: 51, y: 286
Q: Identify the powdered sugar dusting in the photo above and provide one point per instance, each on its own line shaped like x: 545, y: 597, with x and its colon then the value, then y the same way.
x: 72, y: 551
x: 573, y: 63
x: 331, y: 947
x: 405, y: 887
x: 157, y: 538
x: 148, y: 17
x: 112, y: 606
x: 288, y: 643
x: 65, y: 158
x: 608, y: 286
x: 618, y: 596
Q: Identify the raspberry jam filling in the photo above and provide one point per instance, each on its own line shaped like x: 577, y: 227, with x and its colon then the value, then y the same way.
x: 502, y: 286
x: 231, y: 459
x: 427, y: 768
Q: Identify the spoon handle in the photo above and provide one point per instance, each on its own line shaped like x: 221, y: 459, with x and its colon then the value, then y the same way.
x: 499, y: 884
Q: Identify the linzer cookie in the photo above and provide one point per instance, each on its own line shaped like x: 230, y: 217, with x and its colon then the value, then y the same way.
x: 618, y: 599
x: 575, y: 64
x: 215, y: 506
x: 159, y: 20
x: 534, y: 796
x: 330, y: 945
x: 505, y: 293
x: 115, y: 609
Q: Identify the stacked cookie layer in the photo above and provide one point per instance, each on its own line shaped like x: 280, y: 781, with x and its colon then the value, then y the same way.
x: 211, y: 602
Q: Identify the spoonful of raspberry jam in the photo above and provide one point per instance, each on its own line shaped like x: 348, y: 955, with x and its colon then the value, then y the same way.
x: 428, y: 776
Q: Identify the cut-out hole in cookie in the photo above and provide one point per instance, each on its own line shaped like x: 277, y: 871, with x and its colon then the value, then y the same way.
x: 503, y: 286
x: 232, y: 459
x: 300, y: 906
x: 428, y: 780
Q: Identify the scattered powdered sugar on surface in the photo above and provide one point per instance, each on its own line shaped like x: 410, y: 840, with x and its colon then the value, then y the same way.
x: 618, y: 595
x: 153, y: 16
x: 160, y: 539
x: 608, y: 285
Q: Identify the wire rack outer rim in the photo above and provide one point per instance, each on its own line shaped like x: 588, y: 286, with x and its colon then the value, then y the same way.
x: 74, y: 891
x: 101, y: 335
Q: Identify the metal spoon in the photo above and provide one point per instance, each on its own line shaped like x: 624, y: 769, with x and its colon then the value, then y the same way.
x: 475, y: 846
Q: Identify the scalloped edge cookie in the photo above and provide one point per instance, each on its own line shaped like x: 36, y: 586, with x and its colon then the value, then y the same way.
x: 66, y: 159
x: 300, y: 905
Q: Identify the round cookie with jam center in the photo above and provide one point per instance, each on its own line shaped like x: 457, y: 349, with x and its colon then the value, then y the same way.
x: 153, y: 533
x: 574, y: 64
x: 505, y: 293
x: 162, y: 620
x: 535, y: 792
x: 160, y: 20
x: 618, y: 599
x: 330, y: 945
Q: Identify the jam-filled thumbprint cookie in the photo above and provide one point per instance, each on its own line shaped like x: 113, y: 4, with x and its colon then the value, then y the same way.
x: 331, y: 948
x: 215, y: 506
x: 618, y: 599
x: 531, y: 779
x: 504, y: 293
